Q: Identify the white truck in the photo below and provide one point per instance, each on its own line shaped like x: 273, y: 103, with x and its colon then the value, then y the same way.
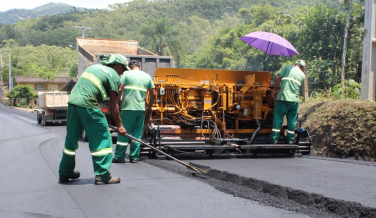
x: 53, y: 106
x: 89, y: 51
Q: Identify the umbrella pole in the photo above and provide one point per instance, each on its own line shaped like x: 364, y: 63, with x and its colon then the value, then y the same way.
x: 265, y: 62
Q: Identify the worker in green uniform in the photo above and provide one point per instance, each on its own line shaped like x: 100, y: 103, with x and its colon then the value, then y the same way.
x: 133, y: 90
x: 287, y: 100
x: 95, y: 85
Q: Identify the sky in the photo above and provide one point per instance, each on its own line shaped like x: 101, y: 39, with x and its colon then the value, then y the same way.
x: 30, y: 4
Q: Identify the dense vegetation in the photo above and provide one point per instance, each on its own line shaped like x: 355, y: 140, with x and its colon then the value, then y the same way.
x: 199, y: 34
x: 205, y: 34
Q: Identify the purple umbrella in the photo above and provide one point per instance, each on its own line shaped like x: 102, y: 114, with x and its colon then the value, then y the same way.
x: 270, y: 43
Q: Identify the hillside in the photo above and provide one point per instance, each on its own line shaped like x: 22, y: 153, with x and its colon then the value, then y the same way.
x: 202, y: 34
x: 15, y: 15
x: 343, y: 129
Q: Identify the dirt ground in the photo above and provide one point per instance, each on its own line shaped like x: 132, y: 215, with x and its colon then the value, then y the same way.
x: 343, y: 129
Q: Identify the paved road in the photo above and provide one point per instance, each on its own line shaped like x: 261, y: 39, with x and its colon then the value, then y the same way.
x: 334, y: 178
x: 29, y: 159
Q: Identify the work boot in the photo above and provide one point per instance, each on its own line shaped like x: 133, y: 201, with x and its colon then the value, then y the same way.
x: 297, y: 153
x: 76, y: 175
x: 114, y: 160
x: 113, y: 180
x: 270, y: 141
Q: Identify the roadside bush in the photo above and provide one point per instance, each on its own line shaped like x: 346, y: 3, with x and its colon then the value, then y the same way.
x: 349, y: 89
x: 23, y: 103
x: 21, y: 92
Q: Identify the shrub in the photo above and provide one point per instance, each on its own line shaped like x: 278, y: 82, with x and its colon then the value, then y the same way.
x: 21, y: 92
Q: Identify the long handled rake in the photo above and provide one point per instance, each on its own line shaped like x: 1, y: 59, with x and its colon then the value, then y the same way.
x: 190, y: 166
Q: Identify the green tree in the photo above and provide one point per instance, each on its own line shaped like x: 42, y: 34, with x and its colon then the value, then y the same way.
x: 244, y: 13
x: 321, y: 44
x: 21, y: 92
x: 262, y: 13
x: 161, y: 38
x: 73, y: 72
x: 321, y: 39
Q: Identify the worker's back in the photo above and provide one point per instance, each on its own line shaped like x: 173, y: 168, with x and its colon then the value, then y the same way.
x: 94, y: 86
x: 136, y: 84
x: 292, y: 79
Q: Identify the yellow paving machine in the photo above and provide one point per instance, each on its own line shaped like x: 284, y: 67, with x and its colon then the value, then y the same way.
x: 216, y: 113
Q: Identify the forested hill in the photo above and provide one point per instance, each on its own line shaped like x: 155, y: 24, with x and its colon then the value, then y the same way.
x: 123, y: 21
x: 15, y: 15
x: 199, y: 34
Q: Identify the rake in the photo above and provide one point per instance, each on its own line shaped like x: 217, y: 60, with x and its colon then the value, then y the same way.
x: 190, y: 166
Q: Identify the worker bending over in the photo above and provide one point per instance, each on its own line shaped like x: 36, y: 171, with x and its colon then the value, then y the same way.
x: 95, y: 85
x: 287, y: 100
x: 133, y: 90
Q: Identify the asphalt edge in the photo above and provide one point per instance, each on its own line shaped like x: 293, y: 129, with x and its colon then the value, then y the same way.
x: 272, y: 194
x: 330, y: 205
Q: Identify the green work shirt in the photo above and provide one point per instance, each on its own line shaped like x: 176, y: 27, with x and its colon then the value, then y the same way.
x: 292, y: 79
x: 94, y: 86
x: 136, y: 84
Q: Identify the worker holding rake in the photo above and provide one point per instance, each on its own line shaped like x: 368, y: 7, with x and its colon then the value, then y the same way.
x: 95, y: 85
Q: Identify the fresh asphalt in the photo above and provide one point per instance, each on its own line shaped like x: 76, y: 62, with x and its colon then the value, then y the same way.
x: 346, y: 180
x: 29, y: 187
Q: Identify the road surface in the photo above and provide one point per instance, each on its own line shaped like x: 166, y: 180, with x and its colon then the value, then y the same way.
x: 30, y: 156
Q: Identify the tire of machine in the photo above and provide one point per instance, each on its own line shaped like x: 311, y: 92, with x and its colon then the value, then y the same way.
x: 39, y: 119
x: 43, y: 120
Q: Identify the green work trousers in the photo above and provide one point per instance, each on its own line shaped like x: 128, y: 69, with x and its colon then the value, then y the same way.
x: 282, y: 108
x: 94, y: 122
x: 133, y: 122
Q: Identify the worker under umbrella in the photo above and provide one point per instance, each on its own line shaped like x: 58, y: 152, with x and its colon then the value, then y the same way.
x: 287, y: 101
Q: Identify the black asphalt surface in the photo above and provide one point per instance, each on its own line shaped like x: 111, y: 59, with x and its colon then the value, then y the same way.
x: 29, y: 187
x: 334, y: 178
x: 260, y: 187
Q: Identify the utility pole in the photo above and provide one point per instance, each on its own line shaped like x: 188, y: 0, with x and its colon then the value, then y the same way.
x: 10, y: 74
x: 368, y: 90
x: 1, y: 52
x: 84, y: 29
x: 305, y: 86
x: 10, y: 85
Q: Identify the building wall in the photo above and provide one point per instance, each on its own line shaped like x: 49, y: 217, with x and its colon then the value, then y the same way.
x: 61, y: 86
x: 43, y: 86
x: 53, y: 86
x: 39, y: 87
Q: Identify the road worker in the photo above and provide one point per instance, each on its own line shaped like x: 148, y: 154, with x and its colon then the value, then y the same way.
x: 133, y: 89
x: 287, y: 100
x: 95, y: 85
